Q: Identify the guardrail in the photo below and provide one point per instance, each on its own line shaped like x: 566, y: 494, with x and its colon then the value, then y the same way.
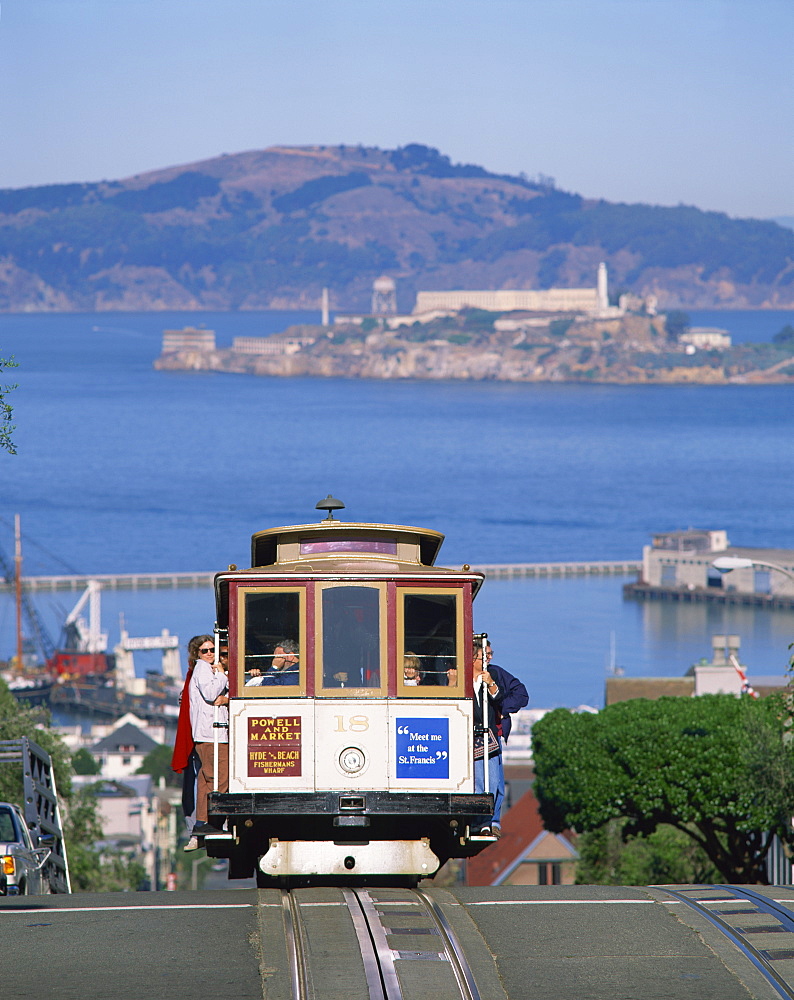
x: 179, y: 581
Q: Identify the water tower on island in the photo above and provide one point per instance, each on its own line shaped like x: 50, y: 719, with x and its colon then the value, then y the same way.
x: 384, y: 296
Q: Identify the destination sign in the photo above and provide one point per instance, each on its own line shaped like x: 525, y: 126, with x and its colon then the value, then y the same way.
x: 274, y: 747
x: 151, y: 642
x: 422, y: 748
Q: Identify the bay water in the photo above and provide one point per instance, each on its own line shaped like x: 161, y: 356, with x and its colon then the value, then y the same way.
x: 121, y: 468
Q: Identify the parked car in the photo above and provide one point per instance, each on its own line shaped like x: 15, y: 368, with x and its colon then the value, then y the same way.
x: 22, y: 866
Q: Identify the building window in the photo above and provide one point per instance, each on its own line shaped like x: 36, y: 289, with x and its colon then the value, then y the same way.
x: 763, y: 581
x: 270, y: 616
x: 668, y: 574
x: 549, y: 873
x: 431, y: 624
x: 714, y: 578
x: 351, y: 645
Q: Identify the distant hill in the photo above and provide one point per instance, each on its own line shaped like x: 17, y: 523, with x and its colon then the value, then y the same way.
x: 270, y: 228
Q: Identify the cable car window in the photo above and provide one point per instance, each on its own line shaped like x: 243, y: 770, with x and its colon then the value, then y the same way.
x: 350, y: 636
x: 431, y: 648
x: 272, y: 636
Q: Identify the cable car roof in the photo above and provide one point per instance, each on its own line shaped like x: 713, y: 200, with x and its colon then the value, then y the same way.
x: 332, y: 539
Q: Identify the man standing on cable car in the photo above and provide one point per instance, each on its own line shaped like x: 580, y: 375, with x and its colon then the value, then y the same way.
x: 514, y: 697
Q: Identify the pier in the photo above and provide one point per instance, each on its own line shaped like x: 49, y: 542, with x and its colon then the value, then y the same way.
x: 704, y: 595
x: 183, y: 581
x: 514, y: 571
x: 112, y: 581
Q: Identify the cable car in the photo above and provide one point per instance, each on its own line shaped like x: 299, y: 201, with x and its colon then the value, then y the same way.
x: 350, y: 711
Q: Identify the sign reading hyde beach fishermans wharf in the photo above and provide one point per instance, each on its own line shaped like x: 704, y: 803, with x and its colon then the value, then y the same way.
x: 274, y: 747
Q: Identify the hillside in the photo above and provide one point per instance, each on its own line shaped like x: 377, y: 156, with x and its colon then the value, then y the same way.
x: 268, y: 229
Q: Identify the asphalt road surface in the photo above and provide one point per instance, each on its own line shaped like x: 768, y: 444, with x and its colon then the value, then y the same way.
x: 521, y: 942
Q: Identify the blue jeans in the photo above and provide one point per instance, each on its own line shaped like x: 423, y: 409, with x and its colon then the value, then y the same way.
x: 496, y: 784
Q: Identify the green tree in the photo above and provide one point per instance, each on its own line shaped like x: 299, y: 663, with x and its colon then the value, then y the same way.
x: 676, y: 323
x: 700, y: 765
x: 785, y: 336
x: 6, y: 410
x: 559, y: 327
x: 84, y: 763
x: 17, y: 720
x: 608, y: 856
x: 91, y: 870
x: 157, y: 763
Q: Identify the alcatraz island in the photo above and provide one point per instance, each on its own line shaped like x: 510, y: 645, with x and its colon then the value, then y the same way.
x: 552, y: 335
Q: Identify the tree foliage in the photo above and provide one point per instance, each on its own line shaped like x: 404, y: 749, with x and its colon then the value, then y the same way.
x: 715, y: 768
x: 6, y: 410
x: 92, y: 869
x: 676, y: 322
x: 784, y: 337
x: 608, y: 856
x: 17, y: 720
x: 157, y: 763
x: 319, y: 189
x: 84, y: 763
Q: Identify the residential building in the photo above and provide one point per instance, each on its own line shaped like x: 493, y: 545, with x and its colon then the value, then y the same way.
x: 76, y: 737
x: 138, y: 819
x: 527, y: 854
x: 724, y: 674
x: 122, y: 751
x: 706, y: 338
x: 279, y: 343
x: 189, y: 338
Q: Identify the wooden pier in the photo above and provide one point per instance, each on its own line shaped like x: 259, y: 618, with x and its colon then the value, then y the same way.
x: 514, y: 571
x: 700, y: 595
x: 113, y: 581
x: 183, y: 581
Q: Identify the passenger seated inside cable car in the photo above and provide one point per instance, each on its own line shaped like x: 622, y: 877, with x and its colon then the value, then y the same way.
x: 430, y: 628
x: 412, y: 674
x: 283, y: 669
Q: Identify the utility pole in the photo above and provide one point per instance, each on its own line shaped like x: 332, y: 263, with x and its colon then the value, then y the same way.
x: 18, y: 588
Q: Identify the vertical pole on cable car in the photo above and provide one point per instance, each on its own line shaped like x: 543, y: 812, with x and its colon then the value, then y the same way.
x: 215, y: 749
x: 485, y: 720
x: 216, y: 715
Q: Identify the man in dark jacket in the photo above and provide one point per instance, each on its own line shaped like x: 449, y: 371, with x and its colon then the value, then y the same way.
x: 513, y: 697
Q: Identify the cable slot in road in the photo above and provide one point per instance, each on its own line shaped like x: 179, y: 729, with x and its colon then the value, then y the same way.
x: 406, y: 943
x: 748, y: 926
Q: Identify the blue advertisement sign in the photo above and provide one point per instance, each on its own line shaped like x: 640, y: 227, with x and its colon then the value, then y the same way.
x: 422, y: 748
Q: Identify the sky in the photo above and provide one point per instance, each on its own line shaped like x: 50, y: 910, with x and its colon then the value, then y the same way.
x: 658, y: 101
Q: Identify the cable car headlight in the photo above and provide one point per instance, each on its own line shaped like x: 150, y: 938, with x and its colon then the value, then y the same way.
x: 352, y: 760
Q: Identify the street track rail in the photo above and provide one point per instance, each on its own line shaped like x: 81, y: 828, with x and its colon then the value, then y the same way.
x: 749, y: 927
x: 438, y: 968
